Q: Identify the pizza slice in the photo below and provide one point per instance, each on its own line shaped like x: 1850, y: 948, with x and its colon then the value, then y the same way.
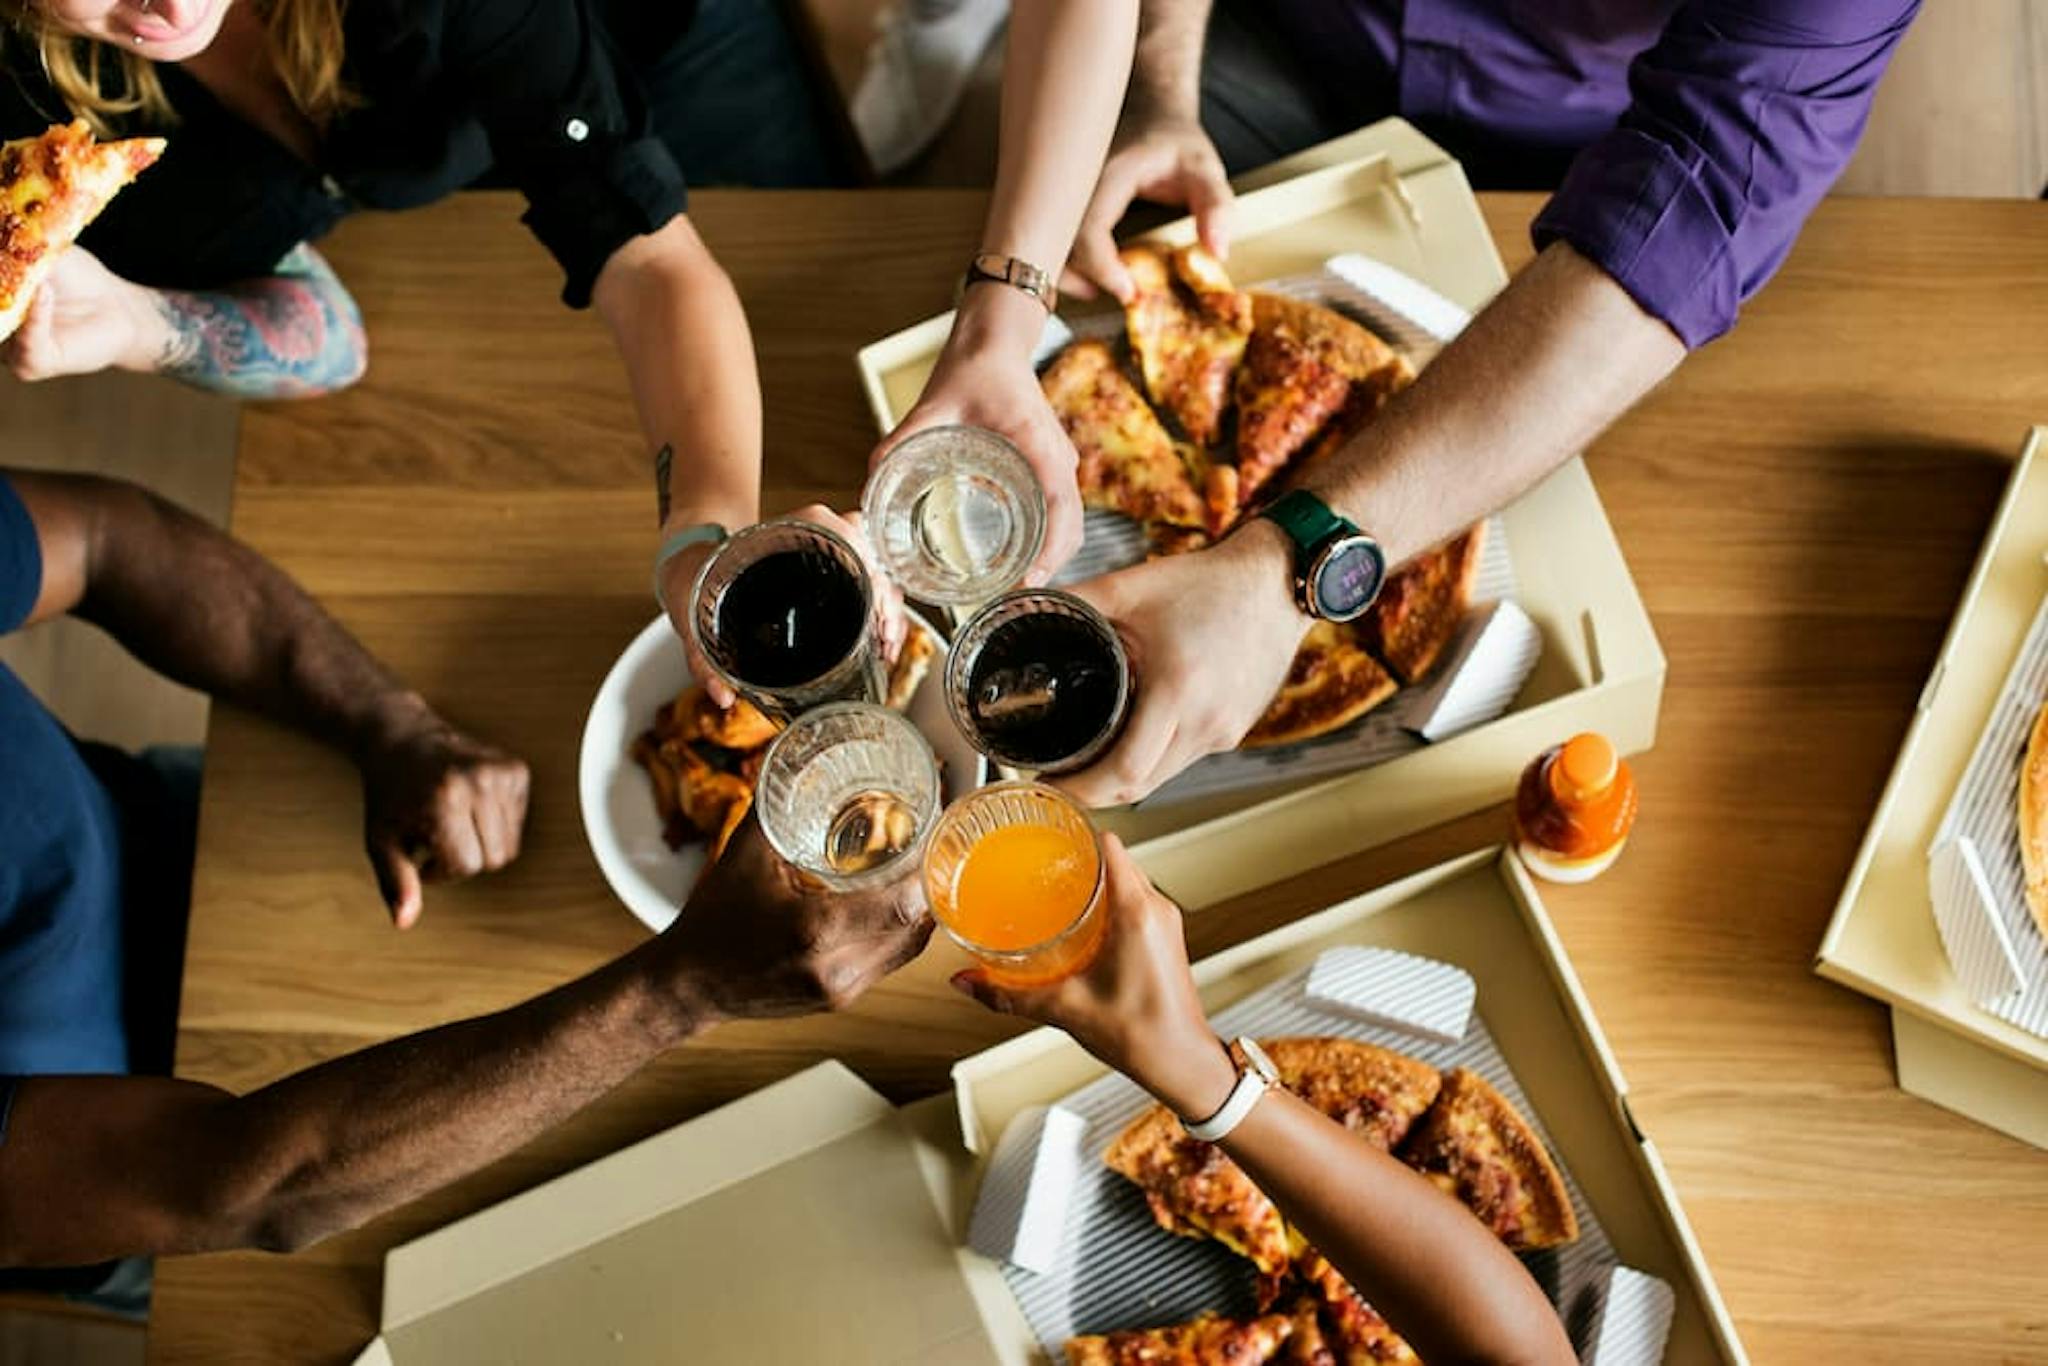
x: 1375, y: 1092
x: 1334, y: 1326
x: 1195, y: 1191
x: 1209, y: 1340
x: 1285, y: 395
x: 1476, y: 1147
x: 1423, y: 602
x: 1128, y: 462
x: 913, y: 662
x: 1188, y: 327
x: 2033, y: 820
x: 51, y: 188
x: 1332, y: 682
x: 1362, y: 404
x: 1348, y: 347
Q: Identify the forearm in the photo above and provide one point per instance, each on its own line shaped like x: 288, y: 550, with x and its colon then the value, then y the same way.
x: 169, y: 1166
x: 293, y: 334
x: 1166, y: 74
x: 1437, y: 1274
x: 206, y: 610
x: 1534, y: 379
x: 689, y: 356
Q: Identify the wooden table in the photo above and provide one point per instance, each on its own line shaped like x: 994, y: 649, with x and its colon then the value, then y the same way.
x: 1800, y: 507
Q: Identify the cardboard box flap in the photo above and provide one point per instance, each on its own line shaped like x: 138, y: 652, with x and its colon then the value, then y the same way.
x: 684, y: 1245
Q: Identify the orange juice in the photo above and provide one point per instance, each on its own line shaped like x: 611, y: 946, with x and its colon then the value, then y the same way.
x: 1013, y: 874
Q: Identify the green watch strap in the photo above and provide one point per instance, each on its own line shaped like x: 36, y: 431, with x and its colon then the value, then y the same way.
x: 1307, y: 520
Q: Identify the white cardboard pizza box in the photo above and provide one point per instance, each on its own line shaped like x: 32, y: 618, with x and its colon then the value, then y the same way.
x: 1483, y: 914
x: 1883, y: 940
x: 685, y: 1246
x: 1391, y: 194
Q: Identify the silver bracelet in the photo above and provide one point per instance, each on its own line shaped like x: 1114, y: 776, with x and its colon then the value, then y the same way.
x: 677, y: 544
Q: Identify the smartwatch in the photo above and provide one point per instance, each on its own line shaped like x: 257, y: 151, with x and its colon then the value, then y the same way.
x: 1338, y: 569
x: 1256, y: 1075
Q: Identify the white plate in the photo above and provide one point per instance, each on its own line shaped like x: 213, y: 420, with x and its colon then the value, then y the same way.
x: 617, y: 796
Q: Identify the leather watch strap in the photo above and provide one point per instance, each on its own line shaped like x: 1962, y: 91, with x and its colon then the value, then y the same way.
x: 1017, y: 273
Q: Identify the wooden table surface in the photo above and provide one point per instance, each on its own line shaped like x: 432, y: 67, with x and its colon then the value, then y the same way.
x: 1800, y: 507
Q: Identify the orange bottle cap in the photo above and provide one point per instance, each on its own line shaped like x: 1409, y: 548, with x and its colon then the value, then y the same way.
x: 1586, y: 766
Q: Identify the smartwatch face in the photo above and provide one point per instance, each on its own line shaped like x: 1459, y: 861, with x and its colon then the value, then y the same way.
x: 1348, y: 578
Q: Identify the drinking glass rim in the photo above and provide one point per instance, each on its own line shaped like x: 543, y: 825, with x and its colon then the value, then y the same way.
x: 1080, y: 917
x: 965, y: 650
x: 867, y: 876
x: 862, y: 576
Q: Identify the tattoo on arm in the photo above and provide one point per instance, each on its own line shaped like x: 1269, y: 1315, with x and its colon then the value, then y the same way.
x: 292, y: 334
x: 663, y: 459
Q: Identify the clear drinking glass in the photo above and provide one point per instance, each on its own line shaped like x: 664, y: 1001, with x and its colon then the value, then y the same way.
x: 956, y: 513
x: 848, y: 792
x: 784, y: 612
x: 1013, y: 873
x: 1039, y: 681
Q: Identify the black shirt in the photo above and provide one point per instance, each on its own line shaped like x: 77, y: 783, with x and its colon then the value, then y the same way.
x: 541, y: 90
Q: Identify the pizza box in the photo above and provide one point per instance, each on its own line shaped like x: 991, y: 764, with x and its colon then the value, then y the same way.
x: 1993, y: 1088
x: 689, y: 1245
x: 1883, y: 940
x: 1390, y: 193
x: 1483, y: 914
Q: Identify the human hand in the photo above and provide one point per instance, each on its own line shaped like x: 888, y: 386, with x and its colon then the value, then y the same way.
x: 1211, y: 635
x: 984, y: 379
x: 1168, y: 160
x: 83, y: 320
x: 438, y: 806
x: 760, y: 938
x: 679, y: 581
x: 1135, y: 1005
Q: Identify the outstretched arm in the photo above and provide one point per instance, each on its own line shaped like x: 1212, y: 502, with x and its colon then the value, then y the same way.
x: 295, y: 333
x: 93, y: 1168
x: 1438, y: 1275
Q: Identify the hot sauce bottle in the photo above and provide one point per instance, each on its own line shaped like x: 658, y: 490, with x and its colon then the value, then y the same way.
x: 1573, y: 809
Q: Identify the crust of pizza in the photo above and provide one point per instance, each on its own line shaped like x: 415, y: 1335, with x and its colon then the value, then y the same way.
x: 1210, y: 1340
x: 1423, y: 602
x: 1332, y: 682
x: 2033, y: 816
x: 1349, y: 348
x: 1195, y: 1191
x: 51, y: 188
x: 1188, y: 327
x: 1478, y: 1148
x: 1128, y: 462
x: 1285, y: 395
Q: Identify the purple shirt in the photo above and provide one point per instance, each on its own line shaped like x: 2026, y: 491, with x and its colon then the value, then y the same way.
x: 1704, y: 131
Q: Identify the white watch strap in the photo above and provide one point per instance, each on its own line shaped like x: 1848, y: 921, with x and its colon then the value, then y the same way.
x: 1251, y: 1086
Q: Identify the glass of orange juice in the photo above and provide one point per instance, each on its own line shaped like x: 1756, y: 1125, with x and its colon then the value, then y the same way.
x: 1014, y: 874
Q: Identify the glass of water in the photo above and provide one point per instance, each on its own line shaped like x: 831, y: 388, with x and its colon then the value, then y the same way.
x: 848, y: 793
x: 956, y: 513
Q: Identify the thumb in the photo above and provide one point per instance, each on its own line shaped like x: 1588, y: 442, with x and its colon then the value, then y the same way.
x: 974, y: 982
x: 398, y: 880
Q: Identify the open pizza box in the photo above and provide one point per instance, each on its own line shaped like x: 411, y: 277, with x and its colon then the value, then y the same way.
x: 1389, y: 194
x: 811, y: 1221
x: 1883, y: 939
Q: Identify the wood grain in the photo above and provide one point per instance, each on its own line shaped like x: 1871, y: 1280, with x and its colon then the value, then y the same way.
x: 1800, y: 506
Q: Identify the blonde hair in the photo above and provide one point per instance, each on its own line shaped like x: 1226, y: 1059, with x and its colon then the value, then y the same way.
x: 101, y: 83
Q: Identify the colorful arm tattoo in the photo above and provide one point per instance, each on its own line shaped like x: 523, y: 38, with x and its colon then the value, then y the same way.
x: 292, y: 334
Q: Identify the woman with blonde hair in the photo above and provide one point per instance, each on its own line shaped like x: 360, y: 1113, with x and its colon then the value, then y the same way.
x: 286, y: 115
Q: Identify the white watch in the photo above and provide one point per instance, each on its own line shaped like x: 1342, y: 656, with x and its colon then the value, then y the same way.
x: 1255, y: 1077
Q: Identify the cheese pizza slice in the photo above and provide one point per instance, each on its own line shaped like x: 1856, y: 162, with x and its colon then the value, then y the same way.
x: 51, y: 188
x: 1285, y: 395
x: 1349, y: 348
x: 1128, y: 462
x: 1332, y: 682
x: 1188, y: 327
x: 1334, y: 1326
x: 1210, y: 1340
x: 1423, y: 602
x: 1476, y: 1146
x: 1362, y: 404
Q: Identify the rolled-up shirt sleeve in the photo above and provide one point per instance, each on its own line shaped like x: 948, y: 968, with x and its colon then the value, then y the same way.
x: 569, y: 124
x: 1742, y: 116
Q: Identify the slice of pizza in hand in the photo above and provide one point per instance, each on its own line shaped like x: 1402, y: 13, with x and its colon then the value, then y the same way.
x: 1209, y: 1340
x: 1285, y: 395
x: 1423, y: 603
x: 1188, y: 327
x: 51, y: 188
x: 1128, y: 462
x: 1479, y: 1149
x: 1332, y: 682
x: 1196, y: 1191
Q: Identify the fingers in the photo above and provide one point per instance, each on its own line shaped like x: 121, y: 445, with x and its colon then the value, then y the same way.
x: 29, y: 350
x: 398, y: 880
x: 1094, y: 259
x: 1211, y: 201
